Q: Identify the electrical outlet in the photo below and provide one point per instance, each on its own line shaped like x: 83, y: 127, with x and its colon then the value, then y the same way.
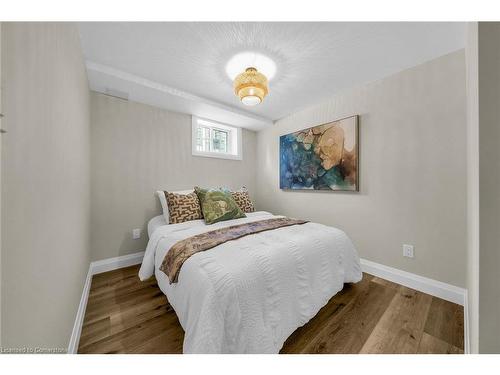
x: 136, y: 234
x: 408, y: 251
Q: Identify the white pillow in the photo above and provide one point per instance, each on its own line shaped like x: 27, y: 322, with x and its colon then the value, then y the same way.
x: 163, y: 201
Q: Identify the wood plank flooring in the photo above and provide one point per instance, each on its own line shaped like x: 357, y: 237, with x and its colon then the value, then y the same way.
x: 125, y: 315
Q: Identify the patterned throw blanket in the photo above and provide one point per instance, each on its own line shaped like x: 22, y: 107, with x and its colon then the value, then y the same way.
x: 182, y: 250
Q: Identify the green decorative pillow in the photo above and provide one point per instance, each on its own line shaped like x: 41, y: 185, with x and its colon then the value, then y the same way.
x: 218, y: 205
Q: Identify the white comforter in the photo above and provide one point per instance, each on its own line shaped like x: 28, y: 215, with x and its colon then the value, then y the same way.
x: 249, y: 295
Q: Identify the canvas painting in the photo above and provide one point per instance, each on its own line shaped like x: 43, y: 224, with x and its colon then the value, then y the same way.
x: 324, y: 157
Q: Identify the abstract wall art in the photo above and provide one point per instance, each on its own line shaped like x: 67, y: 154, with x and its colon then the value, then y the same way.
x: 324, y: 157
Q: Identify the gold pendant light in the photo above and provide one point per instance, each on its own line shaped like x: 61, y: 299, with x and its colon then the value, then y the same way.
x: 251, y: 86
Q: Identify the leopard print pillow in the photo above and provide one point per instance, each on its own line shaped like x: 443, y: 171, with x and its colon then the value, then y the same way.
x: 243, y: 200
x: 183, y: 207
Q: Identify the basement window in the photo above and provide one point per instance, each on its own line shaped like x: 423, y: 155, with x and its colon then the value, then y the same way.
x: 215, y: 140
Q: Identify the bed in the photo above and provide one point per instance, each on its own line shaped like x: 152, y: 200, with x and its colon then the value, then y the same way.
x: 249, y: 295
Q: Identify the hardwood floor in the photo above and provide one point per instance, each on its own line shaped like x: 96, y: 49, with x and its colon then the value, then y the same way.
x: 125, y: 315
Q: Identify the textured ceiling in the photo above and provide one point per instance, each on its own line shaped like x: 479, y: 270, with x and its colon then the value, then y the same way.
x: 314, y: 60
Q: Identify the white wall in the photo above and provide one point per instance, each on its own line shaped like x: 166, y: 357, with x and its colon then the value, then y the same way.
x: 489, y: 183
x: 471, y: 55
x: 137, y: 149
x: 0, y: 185
x: 45, y: 183
x: 412, y: 169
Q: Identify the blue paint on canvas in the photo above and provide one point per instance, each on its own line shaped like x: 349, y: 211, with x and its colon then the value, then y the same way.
x: 302, y: 166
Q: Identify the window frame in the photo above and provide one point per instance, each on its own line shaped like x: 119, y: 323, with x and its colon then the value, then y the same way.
x: 233, y: 139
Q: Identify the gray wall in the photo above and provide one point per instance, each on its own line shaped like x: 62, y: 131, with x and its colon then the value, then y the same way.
x: 489, y: 183
x: 45, y: 183
x: 412, y: 169
x: 137, y: 149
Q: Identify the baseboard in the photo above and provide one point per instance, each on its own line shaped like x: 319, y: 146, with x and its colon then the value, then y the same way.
x: 435, y: 288
x: 95, y: 268
x: 111, y: 264
x: 80, y: 314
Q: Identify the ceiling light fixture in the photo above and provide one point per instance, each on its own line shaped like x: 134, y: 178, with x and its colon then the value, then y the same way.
x: 251, y: 86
